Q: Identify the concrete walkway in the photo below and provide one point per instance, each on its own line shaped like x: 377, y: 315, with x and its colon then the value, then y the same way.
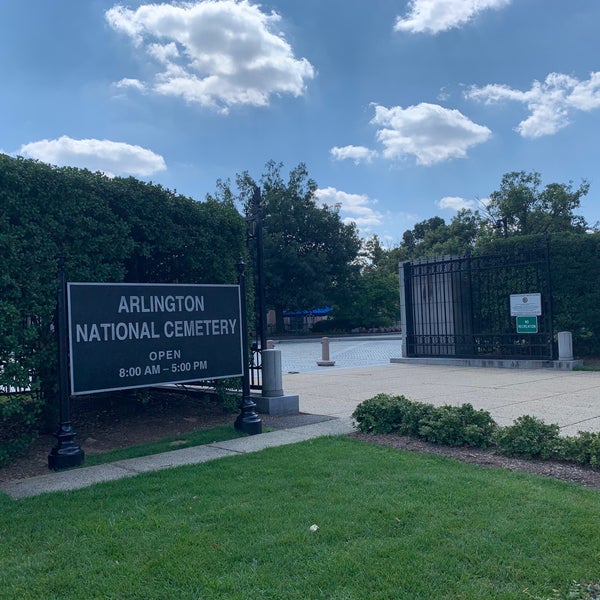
x: 569, y: 398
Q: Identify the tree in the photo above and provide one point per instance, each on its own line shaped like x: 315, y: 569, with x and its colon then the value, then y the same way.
x: 308, y: 250
x: 522, y: 207
x: 434, y: 237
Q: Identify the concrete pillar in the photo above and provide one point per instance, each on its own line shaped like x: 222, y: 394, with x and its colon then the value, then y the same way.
x: 273, y: 400
x: 272, y: 380
x: 565, y: 345
x: 325, y: 361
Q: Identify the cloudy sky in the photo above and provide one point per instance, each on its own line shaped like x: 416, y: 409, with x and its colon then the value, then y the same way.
x: 401, y: 109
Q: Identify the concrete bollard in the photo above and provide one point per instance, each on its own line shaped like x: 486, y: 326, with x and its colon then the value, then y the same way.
x: 273, y: 400
x: 325, y: 361
x: 270, y: 345
x: 565, y: 345
x: 272, y: 380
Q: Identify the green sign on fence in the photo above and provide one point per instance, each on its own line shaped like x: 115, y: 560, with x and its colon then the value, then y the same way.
x: 527, y: 325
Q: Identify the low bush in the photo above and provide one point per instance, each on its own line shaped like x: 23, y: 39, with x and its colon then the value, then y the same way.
x: 458, y: 426
x: 381, y: 414
x: 451, y: 425
x: 583, y: 448
x: 530, y: 437
x: 19, y: 422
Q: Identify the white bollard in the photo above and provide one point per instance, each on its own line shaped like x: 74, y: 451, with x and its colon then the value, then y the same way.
x: 565, y: 345
x: 325, y: 361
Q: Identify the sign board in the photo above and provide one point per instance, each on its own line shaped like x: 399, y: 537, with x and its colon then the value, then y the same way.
x: 525, y: 305
x: 527, y: 325
x: 125, y: 335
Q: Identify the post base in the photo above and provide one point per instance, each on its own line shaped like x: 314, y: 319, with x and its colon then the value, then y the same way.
x: 248, y: 421
x: 67, y: 453
x: 65, y: 457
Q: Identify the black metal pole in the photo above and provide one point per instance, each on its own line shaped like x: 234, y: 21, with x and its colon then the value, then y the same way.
x: 260, y: 267
x: 67, y: 452
x: 247, y: 421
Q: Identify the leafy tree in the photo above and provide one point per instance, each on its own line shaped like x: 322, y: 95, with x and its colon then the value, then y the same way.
x: 308, y: 250
x: 523, y: 207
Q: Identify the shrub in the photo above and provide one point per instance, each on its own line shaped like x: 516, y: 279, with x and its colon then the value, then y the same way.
x: 381, y: 414
x: 458, y: 426
x: 583, y: 448
x: 530, y: 437
x: 452, y: 425
x: 19, y: 420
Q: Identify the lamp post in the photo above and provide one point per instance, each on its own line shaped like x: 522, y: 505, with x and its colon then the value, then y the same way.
x: 247, y: 421
x: 67, y: 452
x: 254, y: 218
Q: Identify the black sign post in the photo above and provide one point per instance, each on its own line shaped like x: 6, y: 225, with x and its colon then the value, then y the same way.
x: 247, y: 421
x: 66, y: 453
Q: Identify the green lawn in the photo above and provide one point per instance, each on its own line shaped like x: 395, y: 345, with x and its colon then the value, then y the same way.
x: 391, y: 525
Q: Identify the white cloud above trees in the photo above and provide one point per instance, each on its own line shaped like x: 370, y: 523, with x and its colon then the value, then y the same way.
x: 111, y: 158
x: 429, y: 132
x: 550, y: 102
x: 354, y: 208
x: 356, y: 153
x: 435, y: 16
x: 455, y: 203
x: 217, y: 53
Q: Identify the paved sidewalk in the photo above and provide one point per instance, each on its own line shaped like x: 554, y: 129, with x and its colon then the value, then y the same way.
x: 569, y: 398
x: 83, y: 477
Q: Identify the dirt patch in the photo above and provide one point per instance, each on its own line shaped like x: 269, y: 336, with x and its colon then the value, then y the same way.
x: 113, y: 422
x: 564, y: 471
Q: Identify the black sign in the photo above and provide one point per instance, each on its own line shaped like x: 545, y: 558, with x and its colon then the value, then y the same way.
x: 137, y: 335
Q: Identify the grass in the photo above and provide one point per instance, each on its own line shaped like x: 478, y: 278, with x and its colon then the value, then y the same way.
x: 586, y: 367
x: 391, y: 524
x: 196, y: 438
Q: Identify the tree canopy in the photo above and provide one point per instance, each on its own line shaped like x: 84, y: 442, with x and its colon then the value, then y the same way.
x: 309, y: 252
x: 524, y: 207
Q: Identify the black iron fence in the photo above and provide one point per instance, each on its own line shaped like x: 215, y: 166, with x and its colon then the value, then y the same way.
x: 459, y: 306
x: 255, y: 368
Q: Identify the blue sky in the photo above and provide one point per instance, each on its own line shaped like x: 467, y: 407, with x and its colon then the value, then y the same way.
x: 401, y: 110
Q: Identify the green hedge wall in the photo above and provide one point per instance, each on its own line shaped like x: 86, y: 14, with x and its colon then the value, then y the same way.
x: 108, y: 230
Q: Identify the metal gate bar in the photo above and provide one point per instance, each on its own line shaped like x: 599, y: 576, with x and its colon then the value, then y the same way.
x: 459, y: 306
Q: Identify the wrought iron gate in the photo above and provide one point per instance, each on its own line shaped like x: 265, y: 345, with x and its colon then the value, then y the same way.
x: 459, y: 306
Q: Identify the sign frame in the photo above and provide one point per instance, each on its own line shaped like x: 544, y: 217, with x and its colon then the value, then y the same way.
x: 523, y: 325
x: 525, y: 305
x: 137, y: 335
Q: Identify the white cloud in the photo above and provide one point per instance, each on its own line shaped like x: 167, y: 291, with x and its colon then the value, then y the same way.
x: 112, y: 158
x: 455, y: 203
x: 217, y: 53
x: 356, y: 153
x: 433, y: 16
x: 354, y: 208
x: 131, y: 83
x: 429, y: 132
x: 550, y: 102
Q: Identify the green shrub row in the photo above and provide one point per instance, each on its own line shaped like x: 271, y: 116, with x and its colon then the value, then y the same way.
x: 449, y: 425
x: 528, y: 437
x: 19, y: 421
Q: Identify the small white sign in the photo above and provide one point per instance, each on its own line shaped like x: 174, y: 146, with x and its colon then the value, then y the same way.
x: 525, y: 305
